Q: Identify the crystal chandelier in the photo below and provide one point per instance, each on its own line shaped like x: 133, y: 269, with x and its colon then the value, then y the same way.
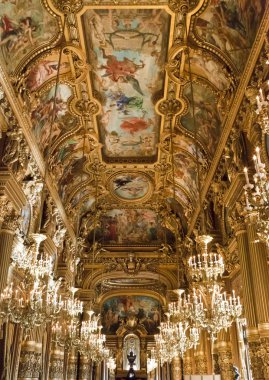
x: 174, y: 338
x: 206, y: 270
x: 73, y: 306
x: 221, y: 312
x: 257, y: 197
x: 187, y: 308
x: 66, y: 333
x: 29, y: 259
x: 92, y: 343
x: 36, y: 300
x: 30, y: 303
x: 206, y: 267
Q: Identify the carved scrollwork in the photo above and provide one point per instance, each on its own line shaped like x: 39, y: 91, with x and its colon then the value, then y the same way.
x: 69, y: 6
x: 86, y: 107
x: 179, y: 6
x: 170, y: 107
x: 80, y: 65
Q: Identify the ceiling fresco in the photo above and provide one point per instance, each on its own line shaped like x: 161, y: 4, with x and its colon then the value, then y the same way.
x: 127, y: 51
x: 46, y: 114
x: 24, y: 27
x: 207, y: 120
x: 231, y: 27
x: 124, y: 105
x: 130, y: 186
x: 133, y: 227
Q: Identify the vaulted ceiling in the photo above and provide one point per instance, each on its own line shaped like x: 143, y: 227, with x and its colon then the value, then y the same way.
x: 124, y: 100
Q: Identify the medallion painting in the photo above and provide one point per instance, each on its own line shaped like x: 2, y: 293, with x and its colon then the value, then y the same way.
x: 130, y: 186
x: 24, y: 25
x: 127, y: 50
x: 138, y: 309
x: 133, y: 226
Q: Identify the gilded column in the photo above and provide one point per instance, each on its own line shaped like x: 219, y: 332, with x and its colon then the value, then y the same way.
x: 72, y: 365
x: 249, y: 298
x: 176, y: 368
x: 56, y: 370
x: 246, y: 274
x: 187, y: 364
x: 200, y: 357
x: 143, y: 355
x: 30, y: 361
x: 260, y: 275
x: 84, y: 368
x: 225, y: 360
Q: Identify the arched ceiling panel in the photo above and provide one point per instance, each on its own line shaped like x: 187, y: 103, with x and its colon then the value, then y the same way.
x: 26, y: 28
x: 203, y: 116
x: 230, y: 26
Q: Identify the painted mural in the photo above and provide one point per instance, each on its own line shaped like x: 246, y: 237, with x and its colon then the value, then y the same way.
x: 46, y: 69
x: 203, y: 65
x: 130, y: 226
x: 208, y: 122
x: 127, y: 50
x: 184, y: 142
x: 185, y: 173
x: 24, y: 25
x: 130, y: 186
x: 44, y: 114
x: 231, y: 26
x: 71, y: 176
x: 116, y: 311
x: 74, y: 146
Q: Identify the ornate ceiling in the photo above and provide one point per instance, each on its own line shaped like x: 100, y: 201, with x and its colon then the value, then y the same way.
x: 101, y: 88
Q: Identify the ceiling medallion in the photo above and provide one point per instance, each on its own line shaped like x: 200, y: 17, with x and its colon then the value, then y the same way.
x: 131, y: 186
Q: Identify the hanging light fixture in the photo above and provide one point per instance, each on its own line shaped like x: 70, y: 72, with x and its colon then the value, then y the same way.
x: 206, y: 267
x: 257, y: 196
x: 31, y: 303
x: 262, y: 109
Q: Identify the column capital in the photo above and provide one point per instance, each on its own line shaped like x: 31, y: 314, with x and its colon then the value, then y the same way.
x: 10, y: 188
x: 10, y: 218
